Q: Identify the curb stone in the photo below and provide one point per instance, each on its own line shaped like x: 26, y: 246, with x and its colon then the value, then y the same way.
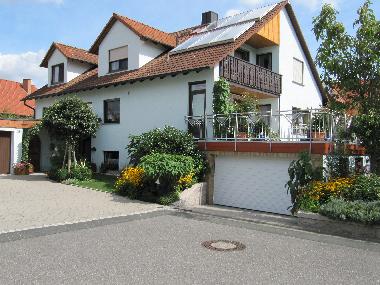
x: 322, y: 226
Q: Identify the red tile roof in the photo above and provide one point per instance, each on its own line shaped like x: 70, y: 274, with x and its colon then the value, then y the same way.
x: 18, y: 124
x: 167, y: 64
x: 10, y: 95
x: 71, y: 53
x: 140, y: 29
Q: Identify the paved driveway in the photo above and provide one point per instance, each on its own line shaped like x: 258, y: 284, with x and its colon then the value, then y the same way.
x: 165, y: 248
x: 34, y: 201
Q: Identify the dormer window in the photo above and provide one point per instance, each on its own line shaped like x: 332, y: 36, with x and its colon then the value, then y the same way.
x: 57, y: 74
x: 118, y: 59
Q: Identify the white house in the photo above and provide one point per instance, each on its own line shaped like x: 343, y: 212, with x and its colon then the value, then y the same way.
x: 137, y: 78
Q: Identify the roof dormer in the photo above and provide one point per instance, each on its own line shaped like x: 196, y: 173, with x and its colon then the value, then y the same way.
x: 65, y: 63
x: 125, y: 44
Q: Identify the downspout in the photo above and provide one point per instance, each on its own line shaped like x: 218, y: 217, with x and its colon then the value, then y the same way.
x: 30, y: 107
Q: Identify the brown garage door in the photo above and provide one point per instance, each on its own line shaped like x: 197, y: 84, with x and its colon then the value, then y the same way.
x: 5, y: 152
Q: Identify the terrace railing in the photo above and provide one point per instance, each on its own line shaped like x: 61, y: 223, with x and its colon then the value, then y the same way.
x: 288, y: 126
x: 250, y: 75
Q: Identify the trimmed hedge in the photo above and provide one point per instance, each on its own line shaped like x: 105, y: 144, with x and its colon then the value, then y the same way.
x: 357, y: 211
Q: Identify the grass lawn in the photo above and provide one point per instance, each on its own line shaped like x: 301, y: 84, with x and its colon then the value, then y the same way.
x: 100, y: 182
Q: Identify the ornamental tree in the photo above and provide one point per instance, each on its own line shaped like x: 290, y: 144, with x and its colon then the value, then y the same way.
x: 350, y: 66
x: 70, y: 120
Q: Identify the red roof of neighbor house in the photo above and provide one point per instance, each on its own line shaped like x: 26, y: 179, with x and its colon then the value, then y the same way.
x: 169, y: 64
x: 11, y: 94
x: 71, y: 53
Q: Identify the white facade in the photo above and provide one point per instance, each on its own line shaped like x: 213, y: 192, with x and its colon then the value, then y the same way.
x: 16, y: 144
x: 143, y: 107
x: 140, y: 52
x: 293, y: 94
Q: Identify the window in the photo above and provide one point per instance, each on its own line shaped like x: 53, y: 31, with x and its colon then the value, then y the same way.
x: 242, y: 54
x: 197, y: 108
x: 57, y: 75
x: 266, y: 113
x: 118, y: 59
x: 264, y: 60
x: 111, y: 160
x: 298, y: 67
x: 112, y: 111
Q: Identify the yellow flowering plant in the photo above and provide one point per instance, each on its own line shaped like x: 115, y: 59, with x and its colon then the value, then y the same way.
x: 130, y: 180
x: 323, y: 191
x: 186, y: 181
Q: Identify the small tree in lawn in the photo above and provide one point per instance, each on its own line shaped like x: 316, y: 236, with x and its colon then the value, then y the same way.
x: 70, y: 120
x: 350, y: 65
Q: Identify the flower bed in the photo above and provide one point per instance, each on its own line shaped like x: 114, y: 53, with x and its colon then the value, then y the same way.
x: 23, y: 168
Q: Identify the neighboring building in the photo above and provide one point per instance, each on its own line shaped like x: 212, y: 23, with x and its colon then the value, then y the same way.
x: 137, y: 78
x: 15, y: 116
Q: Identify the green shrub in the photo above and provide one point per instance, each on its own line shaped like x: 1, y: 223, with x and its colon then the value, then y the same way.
x: 169, y: 198
x: 365, y: 188
x: 59, y: 174
x: 307, y: 204
x: 301, y: 173
x: 167, y: 168
x: 81, y: 172
x: 170, y: 141
x: 357, y: 211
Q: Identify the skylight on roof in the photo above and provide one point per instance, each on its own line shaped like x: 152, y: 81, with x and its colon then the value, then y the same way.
x: 224, y: 30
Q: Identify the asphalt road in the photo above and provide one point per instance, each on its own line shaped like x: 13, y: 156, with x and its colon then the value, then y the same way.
x: 165, y: 248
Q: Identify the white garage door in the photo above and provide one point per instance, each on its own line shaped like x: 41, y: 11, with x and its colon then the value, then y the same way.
x: 255, y: 183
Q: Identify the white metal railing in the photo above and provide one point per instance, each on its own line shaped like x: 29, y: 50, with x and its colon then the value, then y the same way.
x: 311, y: 125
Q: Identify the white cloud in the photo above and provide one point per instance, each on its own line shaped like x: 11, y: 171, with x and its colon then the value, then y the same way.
x: 24, y: 65
x: 232, y: 12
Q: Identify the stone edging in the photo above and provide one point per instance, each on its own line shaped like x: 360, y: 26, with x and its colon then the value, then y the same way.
x: 355, y: 230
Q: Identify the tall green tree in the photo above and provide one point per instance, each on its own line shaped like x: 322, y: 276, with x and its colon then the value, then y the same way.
x: 350, y: 65
x: 70, y: 120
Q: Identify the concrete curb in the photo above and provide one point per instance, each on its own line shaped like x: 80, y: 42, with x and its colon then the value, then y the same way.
x: 307, y: 222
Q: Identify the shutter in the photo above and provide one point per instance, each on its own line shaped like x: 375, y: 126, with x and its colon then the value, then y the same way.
x: 119, y: 53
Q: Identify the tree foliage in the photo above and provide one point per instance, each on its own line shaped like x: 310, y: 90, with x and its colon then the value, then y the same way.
x: 70, y: 120
x: 350, y: 67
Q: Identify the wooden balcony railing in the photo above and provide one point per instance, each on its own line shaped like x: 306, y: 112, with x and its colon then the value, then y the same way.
x: 250, y: 75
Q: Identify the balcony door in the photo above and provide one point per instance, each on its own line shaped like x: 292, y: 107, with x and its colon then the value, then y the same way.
x: 197, y: 108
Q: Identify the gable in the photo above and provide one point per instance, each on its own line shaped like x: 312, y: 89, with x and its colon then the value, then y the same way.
x: 269, y: 35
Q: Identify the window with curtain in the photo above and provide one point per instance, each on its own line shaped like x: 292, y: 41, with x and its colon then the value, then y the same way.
x: 57, y: 74
x: 118, y: 59
x: 112, y: 111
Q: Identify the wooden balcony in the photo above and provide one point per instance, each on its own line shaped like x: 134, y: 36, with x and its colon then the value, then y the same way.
x: 250, y: 75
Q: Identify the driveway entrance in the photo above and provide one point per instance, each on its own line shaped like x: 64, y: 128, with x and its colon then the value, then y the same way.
x: 34, y: 201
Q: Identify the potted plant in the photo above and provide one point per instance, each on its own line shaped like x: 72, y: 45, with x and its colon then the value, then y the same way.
x: 23, y: 168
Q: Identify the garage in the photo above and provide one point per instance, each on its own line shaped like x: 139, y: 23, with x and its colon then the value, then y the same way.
x: 5, y: 152
x: 252, y: 182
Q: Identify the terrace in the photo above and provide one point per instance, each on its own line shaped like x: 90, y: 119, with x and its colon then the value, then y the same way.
x: 313, y: 130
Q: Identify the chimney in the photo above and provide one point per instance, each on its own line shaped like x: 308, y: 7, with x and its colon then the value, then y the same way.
x: 27, y: 85
x: 209, y: 17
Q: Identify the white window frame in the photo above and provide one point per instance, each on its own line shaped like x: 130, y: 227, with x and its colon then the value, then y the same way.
x: 295, y: 79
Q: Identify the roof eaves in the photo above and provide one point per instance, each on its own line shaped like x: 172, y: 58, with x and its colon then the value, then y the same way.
x: 123, y: 82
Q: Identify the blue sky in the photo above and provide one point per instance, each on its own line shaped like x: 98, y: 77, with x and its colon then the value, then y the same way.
x: 28, y: 27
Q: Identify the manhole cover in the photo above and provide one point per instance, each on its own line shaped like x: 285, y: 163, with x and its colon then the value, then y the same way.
x: 223, y: 245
